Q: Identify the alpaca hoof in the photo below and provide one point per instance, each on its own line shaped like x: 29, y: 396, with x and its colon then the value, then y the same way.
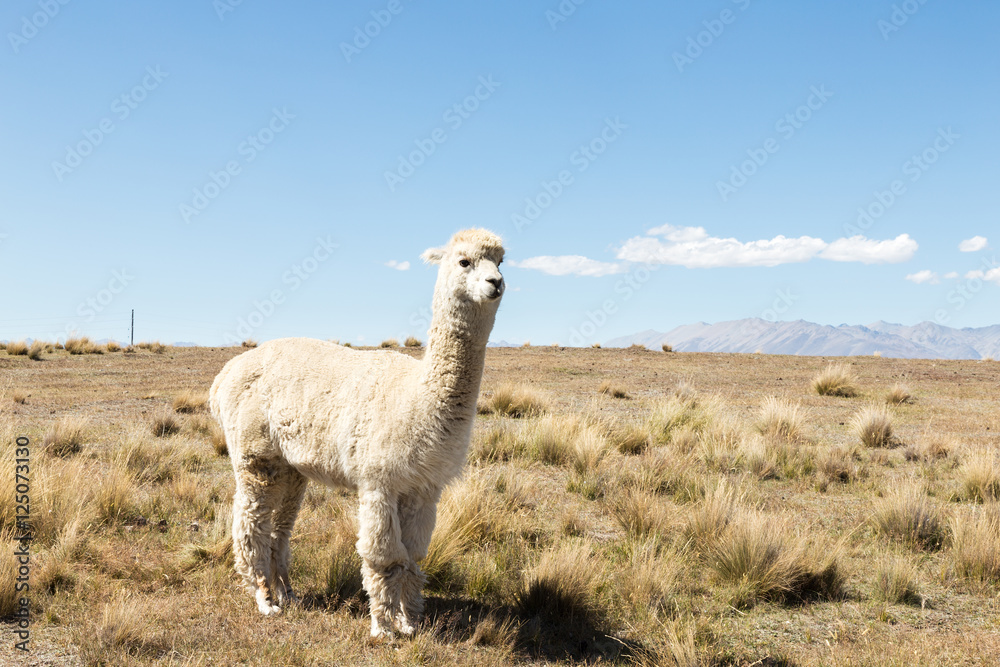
x: 265, y: 606
x: 406, y: 628
x: 287, y: 598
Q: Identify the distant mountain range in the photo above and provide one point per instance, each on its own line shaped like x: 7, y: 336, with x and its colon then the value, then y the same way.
x: 926, y: 340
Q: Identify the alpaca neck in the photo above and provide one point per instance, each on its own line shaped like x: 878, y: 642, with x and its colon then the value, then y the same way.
x: 456, y: 355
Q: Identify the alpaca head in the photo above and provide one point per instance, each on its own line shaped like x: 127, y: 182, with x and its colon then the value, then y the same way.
x: 469, y: 267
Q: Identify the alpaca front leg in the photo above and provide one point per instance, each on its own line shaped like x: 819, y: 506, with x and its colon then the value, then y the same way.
x: 383, y: 557
x: 417, y: 517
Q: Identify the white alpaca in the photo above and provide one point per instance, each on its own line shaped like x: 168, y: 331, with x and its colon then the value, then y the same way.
x: 393, y: 428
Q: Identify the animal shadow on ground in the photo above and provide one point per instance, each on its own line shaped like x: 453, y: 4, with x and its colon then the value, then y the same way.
x: 546, y: 633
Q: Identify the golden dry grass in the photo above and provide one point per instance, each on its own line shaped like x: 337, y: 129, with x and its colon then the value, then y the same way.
x: 836, y: 380
x: 389, y: 342
x: 113, y: 346
x: 908, y: 515
x: 605, y: 531
x: 17, y: 348
x: 975, y: 544
x: 979, y: 475
x: 897, y: 581
x: 164, y: 424
x: 36, y: 350
x: 514, y: 400
x: 873, y: 427
x: 780, y: 419
x: 190, y: 400
x: 66, y: 436
x: 413, y: 341
x: 612, y: 389
x: 898, y: 394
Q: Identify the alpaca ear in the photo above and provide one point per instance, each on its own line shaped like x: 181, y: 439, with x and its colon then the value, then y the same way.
x: 433, y: 255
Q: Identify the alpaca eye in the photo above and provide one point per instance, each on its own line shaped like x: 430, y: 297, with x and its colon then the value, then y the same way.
x: 464, y: 263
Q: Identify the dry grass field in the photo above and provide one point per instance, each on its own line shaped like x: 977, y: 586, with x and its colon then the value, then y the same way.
x: 621, y: 506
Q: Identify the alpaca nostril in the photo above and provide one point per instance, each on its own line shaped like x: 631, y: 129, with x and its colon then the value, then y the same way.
x: 496, y: 282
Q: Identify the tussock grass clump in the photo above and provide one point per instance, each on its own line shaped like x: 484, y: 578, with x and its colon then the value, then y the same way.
x: 470, y: 513
x: 413, y: 341
x: 836, y: 380
x: 898, y: 395
x: 19, y: 396
x: 665, y: 473
x: 649, y: 578
x: 343, y: 576
x: 671, y: 415
x: 873, y: 427
x: 596, y: 346
x: 389, y: 342
x: 498, y: 442
x: 210, y: 429
x: 560, y: 440
x: 840, y: 464
x: 979, y: 476
x: 931, y: 449
x: 609, y: 388
x: 155, y: 346
x: 165, y: 424
x: 710, y: 517
x: 908, y: 515
x: 113, y: 346
x: 120, y: 635
x: 36, y: 350
x: 563, y: 584
x: 667, y: 347
x: 641, y: 513
x: 761, y: 558
x: 780, y: 419
x: 515, y: 400
x: 8, y: 574
x: 116, y: 497
x: 149, y: 461
x: 975, y: 544
x: 82, y: 345
x: 248, y: 344
x: 17, y: 348
x: 637, y: 347
x: 66, y: 436
x: 896, y: 581
x: 56, y: 571
x: 190, y: 400
x: 630, y: 439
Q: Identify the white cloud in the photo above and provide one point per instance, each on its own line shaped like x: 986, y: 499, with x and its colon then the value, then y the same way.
x: 993, y: 275
x: 951, y: 275
x: 399, y: 266
x: 867, y: 251
x: 563, y: 265
x: 975, y: 244
x: 694, y: 248
x: 925, y: 276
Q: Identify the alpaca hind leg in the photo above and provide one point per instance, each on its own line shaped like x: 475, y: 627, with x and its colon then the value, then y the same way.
x: 253, y: 507
x: 294, y: 484
x: 384, y: 558
x: 417, y: 516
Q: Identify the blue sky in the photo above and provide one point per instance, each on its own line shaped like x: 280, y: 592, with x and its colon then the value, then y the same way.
x: 266, y: 170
